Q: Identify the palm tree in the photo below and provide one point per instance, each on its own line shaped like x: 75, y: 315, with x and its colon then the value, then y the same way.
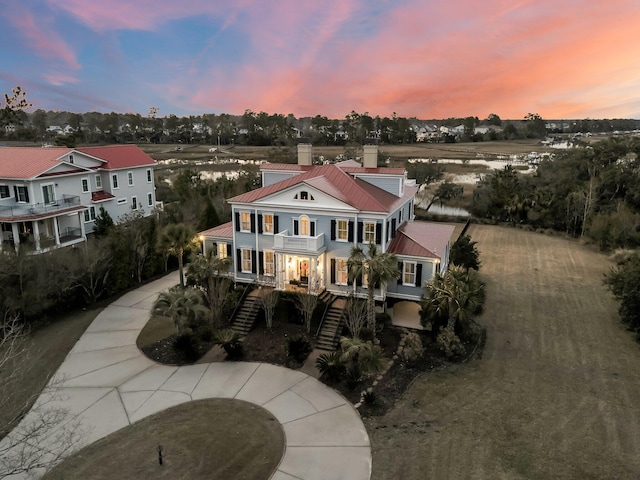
x: 377, y: 268
x: 453, y: 297
x: 185, y: 306
x: 207, y: 272
x: 176, y: 239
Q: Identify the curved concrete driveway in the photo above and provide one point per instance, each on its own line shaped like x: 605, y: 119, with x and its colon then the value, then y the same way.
x: 108, y: 384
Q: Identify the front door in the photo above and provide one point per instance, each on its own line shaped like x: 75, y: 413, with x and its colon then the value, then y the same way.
x: 304, y: 272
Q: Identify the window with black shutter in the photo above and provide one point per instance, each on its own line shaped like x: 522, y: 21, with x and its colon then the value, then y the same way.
x: 295, y: 227
x: 350, y: 234
x: 312, y: 228
x: 401, y: 268
x: 378, y: 233
x: 253, y: 223
x: 238, y: 260
x: 228, y: 249
x: 360, y: 229
x: 333, y: 232
x: 276, y: 227
x: 261, y: 262
x: 237, y: 221
x: 333, y: 270
x: 259, y: 223
x: 253, y: 261
x: 419, y: 275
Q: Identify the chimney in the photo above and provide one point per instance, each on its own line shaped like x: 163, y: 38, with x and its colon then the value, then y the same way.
x: 370, y: 159
x: 305, y: 154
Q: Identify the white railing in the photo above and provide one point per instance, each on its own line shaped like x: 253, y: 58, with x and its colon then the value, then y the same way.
x: 283, y: 241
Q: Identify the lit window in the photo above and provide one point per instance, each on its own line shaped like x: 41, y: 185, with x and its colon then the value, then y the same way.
x: 98, y: 182
x: 409, y: 273
x: 130, y: 178
x: 269, y: 264
x: 85, y: 185
x: 222, y: 250
x: 245, y: 221
x: 303, y: 195
x: 304, y: 225
x: 343, y: 230
x: 341, y: 271
x: 267, y: 223
x: 246, y: 260
x: 369, y: 232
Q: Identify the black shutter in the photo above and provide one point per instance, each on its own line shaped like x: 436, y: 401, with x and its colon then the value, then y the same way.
x: 312, y: 228
x: 214, y: 245
x: 360, y: 227
x: 350, y: 235
x: 333, y: 270
x: 388, y: 231
x: 261, y: 262
x: 238, y: 260
x: 378, y: 233
x: 253, y: 261
x: 276, y: 228
x: 259, y: 223
x: 253, y: 223
x: 419, y: 275
x: 295, y: 227
x: 400, y: 267
x: 393, y: 228
x: 228, y: 249
x: 237, y: 217
x: 333, y: 231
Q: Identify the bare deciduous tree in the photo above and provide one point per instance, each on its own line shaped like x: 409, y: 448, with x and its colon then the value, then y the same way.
x: 268, y: 299
x: 307, y: 303
x: 355, y: 315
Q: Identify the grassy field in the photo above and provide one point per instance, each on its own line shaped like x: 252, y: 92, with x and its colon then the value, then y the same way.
x: 217, y: 438
x: 556, y: 392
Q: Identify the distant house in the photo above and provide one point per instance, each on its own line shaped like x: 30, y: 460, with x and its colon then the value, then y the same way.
x: 300, y: 226
x: 50, y: 197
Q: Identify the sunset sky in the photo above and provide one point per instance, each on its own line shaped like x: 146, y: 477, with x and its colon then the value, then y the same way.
x: 425, y: 58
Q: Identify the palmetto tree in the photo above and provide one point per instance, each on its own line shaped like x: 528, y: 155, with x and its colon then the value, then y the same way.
x: 207, y: 272
x: 452, y: 298
x: 377, y: 269
x: 185, y: 306
x: 176, y: 239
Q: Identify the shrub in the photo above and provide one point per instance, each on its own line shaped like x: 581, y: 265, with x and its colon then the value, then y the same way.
x: 366, y: 334
x: 298, y: 347
x: 449, y: 342
x: 331, y: 365
x: 370, y: 398
x: 230, y: 341
x: 413, y: 348
x: 383, y: 318
x: 353, y: 376
x: 186, y: 344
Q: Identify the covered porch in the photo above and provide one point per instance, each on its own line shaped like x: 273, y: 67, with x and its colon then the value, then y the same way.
x: 40, y: 234
x: 300, y: 272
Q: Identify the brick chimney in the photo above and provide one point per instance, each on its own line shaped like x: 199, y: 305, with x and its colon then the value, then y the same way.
x: 305, y: 154
x: 370, y: 159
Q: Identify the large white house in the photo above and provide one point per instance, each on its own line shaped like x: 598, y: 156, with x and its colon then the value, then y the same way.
x: 299, y: 227
x: 49, y: 197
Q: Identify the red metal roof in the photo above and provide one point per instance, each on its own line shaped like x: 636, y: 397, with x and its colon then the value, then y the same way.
x: 421, y: 239
x: 224, y: 230
x: 377, y: 170
x: 24, y: 162
x: 119, y: 156
x: 293, y: 167
x: 101, y: 196
x: 333, y: 181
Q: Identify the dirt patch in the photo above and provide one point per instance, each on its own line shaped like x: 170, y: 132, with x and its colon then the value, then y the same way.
x: 555, y: 393
x: 249, y: 445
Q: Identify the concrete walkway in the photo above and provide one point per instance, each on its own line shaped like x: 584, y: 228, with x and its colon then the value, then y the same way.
x: 108, y: 384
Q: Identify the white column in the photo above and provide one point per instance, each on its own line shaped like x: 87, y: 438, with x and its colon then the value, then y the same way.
x: 56, y: 230
x: 81, y: 220
x: 16, y: 236
x: 36, y: 234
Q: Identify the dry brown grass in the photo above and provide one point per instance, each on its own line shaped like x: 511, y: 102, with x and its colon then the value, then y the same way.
x: 217, y: 438
x: 556, y: 392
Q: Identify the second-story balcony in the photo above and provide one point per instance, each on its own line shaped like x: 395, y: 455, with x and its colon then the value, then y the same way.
x: 298, y: 244
x: 18, y: 211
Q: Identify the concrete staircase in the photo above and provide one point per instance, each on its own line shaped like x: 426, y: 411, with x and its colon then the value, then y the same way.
x: 328, y: 336
x: 246, y: 315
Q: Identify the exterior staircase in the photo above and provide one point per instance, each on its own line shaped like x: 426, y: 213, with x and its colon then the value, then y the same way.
x: 328, y: 336
x: 245, y: 317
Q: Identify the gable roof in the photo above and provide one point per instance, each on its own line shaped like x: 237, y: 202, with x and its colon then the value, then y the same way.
x: 334, y: 181
x: 29, y: 162
x: 22, y: 162
x: 224, y: 230
x: 421, y: 239
x: 119, y: 156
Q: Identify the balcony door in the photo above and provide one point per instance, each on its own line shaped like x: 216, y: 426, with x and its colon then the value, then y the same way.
x: 48, y: 195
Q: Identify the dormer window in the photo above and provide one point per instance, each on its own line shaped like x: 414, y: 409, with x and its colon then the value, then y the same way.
x: 70, y: 158
x: 303, y: 195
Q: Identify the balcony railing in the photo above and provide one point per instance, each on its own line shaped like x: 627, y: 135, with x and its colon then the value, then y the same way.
x: 34, y: 209
x: 283, y: 241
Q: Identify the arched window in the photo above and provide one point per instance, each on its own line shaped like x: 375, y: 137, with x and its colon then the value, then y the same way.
x: 304, y: 225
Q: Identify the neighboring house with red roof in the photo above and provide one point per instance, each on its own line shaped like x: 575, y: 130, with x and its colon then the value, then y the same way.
x: 300, y: 226
x: 50, y: 197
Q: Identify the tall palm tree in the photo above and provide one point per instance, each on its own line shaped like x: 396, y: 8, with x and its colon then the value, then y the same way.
x: 377, y: 268
x: 176, y: 239
x: 208, y: 272
x: 185, y: 306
